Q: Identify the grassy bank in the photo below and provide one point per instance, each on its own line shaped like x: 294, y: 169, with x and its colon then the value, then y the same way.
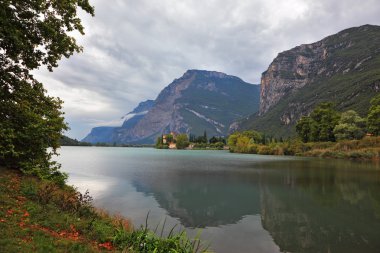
x: 367, y: 148
x: 39, y: 216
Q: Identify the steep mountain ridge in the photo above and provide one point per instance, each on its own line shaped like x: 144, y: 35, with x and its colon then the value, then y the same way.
x: 343, y: 68
x: 198, y: 101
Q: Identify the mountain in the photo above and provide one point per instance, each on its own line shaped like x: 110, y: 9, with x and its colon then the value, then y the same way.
x: 133, y: 117
x: 343, y: 68
x: 105, y: 134
x: 101, y: 134
x: 196, y: 102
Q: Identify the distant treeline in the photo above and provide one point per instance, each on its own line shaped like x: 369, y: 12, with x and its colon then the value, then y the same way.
x: 67, y: 141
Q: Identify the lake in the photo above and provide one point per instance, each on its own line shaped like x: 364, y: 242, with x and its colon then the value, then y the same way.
x: 240, y: 203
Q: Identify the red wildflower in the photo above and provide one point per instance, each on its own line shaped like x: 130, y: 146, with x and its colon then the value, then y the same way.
x: 26, y: 214
x: 106, y: 245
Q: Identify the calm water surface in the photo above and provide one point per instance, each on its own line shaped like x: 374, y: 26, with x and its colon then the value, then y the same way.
x: 241, y: 203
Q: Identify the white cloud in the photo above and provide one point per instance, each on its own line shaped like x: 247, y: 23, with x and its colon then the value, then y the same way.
x: 132, y: 49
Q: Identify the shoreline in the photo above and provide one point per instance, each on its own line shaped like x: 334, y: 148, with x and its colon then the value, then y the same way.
x: 38, y: 215
x: 367, y: 149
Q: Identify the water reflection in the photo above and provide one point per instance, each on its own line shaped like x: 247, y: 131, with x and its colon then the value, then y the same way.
x: 244, y: 203
x: 325, y: 207
x: 203, y: 201
x: 305, y: 205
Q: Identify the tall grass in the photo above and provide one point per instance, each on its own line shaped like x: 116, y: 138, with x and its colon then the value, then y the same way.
x: 146, y: 240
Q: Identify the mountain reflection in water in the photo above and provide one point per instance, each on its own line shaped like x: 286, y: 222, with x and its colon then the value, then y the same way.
x: 244, y: 203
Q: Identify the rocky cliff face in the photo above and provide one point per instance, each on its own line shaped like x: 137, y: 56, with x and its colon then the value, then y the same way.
x: 198, y: 101
x: 162, y: 116
x: 342, y: 68
x: 302, y: 65
x: 292, y: 70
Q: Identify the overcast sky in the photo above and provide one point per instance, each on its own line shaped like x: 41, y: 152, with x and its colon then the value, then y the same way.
x: 134, y: 48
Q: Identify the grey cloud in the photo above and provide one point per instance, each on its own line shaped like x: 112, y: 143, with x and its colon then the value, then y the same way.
x: 134, y: 48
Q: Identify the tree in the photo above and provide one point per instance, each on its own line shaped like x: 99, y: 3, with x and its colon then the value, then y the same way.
x: 324, y: 119
x: 351, y: 126
x: 32, y: 34
x: 303, y: 128
x: 182, y: 141
x: 192, y: 138
x: 169, y: 138
x: 232, y: 139
x: 35, y: 33
x: 245, y: 142
x: 254, y: 136
x: 373, y: 118
x: 201, y: 139
x: 213, y: 140
x: 319, y: 126
x: 159, y: 142
x: 216, y: 139
x: 205, y: 136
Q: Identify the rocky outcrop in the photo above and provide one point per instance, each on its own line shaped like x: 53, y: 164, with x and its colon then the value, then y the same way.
x: 302, y: 65
x: 165, y: 113
x: 291, y: 70
x: 342, y: 68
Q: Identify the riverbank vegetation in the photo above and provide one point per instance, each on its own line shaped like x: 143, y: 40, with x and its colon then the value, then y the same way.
x: 40, y: 216
x: 324, y: 133
x: 366, y: 148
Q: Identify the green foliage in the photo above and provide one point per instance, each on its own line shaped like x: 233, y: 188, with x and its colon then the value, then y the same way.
x: 33, y: 34
x: 66, y: 141
x: 373, y: 118
x: 324, y: 119
x: 319, y: 126
x: 199, y: 139
x: 160, y: 144
x: 217, y: 145
x: 254, y: 136
x: 364, y: 149
x: 182, y: 141
x: 245, y: 142
x: 30, y: 123
x: 169, y: 138
x: 145, y: 241
x: 216, y: 139
x: 351, y: 126
x: 303, y: 128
